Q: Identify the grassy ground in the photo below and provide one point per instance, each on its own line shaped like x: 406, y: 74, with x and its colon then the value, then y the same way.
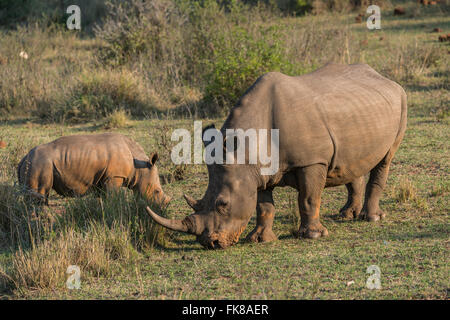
x: 411, y: 246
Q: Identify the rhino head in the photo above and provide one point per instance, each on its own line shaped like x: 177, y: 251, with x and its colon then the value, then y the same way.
x: 223, y: 213
x: 147, y: 181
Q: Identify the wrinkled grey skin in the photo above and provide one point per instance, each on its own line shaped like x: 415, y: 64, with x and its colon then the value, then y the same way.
x: 74, y: 165
x: 336, y: 125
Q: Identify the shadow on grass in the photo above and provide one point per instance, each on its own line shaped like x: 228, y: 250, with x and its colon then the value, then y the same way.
x: 14, y: 122
x: 437, y: 231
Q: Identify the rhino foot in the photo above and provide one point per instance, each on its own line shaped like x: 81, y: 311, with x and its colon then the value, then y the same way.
x: 260, y: 234
x: 313, y: 231
x: 372, y: 216
x: 350, y: 212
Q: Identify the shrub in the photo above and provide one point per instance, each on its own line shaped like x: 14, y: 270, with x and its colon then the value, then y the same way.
x: 135, y: 27
x: 116, y: 119
x: 96, y: 95
x: 242, y: 58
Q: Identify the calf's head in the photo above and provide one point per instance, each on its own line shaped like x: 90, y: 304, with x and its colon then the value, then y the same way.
x: 148, y: 183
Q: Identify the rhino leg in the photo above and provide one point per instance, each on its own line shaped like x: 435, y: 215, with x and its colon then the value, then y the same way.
x: 353, y: 206
x: 371, y: 210
x: 265, y: 213
x: 113, y: 184
x: 39, y: 184
x: 310, y: 183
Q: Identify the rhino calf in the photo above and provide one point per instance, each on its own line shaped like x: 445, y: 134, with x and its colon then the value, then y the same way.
x: 335, y: 125
x: 74, y: 165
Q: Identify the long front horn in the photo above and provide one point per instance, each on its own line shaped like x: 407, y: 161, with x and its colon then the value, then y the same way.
x: 175, y: 225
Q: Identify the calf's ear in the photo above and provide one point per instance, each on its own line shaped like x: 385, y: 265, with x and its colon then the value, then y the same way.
x: 153, y: 158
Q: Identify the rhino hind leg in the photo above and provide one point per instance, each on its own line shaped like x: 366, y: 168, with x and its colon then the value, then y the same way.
x: 38, y: 187
x: 377, y: 181
x: 310, y: 183
x: 265, y: 214
x: 354, y: 204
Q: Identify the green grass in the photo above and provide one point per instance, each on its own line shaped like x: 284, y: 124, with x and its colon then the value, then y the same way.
x: 411, y: 246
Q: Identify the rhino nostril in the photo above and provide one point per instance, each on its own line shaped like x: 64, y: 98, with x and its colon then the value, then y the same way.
x: 216, y: 244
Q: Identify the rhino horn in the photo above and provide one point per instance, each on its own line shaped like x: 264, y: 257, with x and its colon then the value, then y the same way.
x: 176, y: 225
x: 194, y: 204
x: 188, y: 225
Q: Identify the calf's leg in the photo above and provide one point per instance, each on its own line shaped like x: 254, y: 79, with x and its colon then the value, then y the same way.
x: 265, y: 213
x: 39, y: 183
x: 310, y: 183
x: 113, y: 184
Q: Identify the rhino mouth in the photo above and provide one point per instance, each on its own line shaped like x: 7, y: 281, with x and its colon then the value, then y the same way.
x: 194, y: 224
x: 214, y: 244
x: 219, y: 240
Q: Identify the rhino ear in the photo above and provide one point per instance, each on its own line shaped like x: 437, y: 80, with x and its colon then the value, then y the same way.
x: 154, y: 157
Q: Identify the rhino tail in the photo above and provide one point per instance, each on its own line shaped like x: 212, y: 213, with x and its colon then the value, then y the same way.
x: 19, y: 169
x: 403, y: 120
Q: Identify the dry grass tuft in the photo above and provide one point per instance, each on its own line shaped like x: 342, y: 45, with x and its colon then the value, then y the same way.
x: 100, y: 235
x: 405, y: 191
x: 116, y: 119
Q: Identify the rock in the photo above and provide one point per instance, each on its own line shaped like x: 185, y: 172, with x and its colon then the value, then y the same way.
x: 398, y: 11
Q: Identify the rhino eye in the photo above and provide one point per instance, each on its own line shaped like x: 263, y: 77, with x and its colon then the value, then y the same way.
x: 221, y: 206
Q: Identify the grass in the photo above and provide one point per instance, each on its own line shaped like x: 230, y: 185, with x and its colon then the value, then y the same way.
x: 410, y: 246
x: 109, y: 237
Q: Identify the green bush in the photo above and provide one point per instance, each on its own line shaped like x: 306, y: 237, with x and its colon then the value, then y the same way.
x: 242, y: 58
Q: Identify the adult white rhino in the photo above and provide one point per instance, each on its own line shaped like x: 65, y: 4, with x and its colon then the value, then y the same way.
x: 335, y: 124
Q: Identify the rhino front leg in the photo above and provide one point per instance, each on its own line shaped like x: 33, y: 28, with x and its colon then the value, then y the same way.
x: 311, y: 182
x: 265, y: 213
x: 353, y: 206
x: 113, y: 184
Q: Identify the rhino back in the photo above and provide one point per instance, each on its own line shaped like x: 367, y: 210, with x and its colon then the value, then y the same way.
x: 84, y: 160
x: 346, y: 117
x: 136, y: 150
